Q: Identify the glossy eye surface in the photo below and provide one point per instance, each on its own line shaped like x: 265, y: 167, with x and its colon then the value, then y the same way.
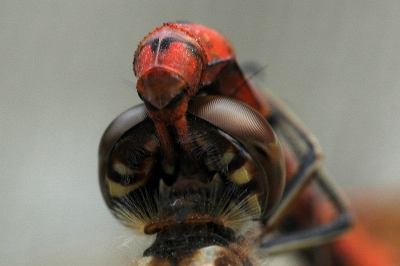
x: 213, y: 193
x: 250, y: 128
x: 220, y: 165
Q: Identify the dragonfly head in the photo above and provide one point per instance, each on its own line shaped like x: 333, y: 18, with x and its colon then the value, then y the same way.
x: 169, y: 64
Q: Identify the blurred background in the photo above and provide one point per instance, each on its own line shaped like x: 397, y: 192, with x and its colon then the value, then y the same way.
x: 66, y: 72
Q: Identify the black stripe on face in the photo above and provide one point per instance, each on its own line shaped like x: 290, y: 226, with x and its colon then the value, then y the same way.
x: 193, y: 49
x: 166, y: 42
x: 154, y: 44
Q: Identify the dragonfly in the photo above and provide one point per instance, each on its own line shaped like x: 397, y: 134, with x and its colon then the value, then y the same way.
x: 219, y: 173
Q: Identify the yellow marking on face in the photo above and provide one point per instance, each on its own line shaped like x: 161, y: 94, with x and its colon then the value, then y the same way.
x: 151, y: 145
x: 117, y: 190
x: 122, y: 169
x: 228, y: 157
x: 213, y: 163
x: 242, y: 175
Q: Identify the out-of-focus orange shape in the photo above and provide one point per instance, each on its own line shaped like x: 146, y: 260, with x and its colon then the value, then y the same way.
x: 359, y: 248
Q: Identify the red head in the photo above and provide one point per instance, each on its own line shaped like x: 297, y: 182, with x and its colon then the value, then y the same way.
x: 170, y: 65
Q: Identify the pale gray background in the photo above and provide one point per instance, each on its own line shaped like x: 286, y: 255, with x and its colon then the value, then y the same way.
x: 66, y: 72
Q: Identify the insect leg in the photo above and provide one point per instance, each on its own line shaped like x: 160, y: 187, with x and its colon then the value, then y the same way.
x: 302, y: 150
x: 315, y: 235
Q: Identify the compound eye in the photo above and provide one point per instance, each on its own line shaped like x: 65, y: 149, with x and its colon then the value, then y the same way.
x: 249, y: 127
x: 130, y: 161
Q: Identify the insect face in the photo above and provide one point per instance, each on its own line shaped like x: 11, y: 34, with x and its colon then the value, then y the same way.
x: 168, y: 63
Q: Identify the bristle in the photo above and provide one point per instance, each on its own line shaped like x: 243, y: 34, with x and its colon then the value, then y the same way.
x: 136, y: 210
x: 236, y: 214
x: 229, y: 209
x: 143, y: 207
x: 208, y: 148
x: 133, y: 244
